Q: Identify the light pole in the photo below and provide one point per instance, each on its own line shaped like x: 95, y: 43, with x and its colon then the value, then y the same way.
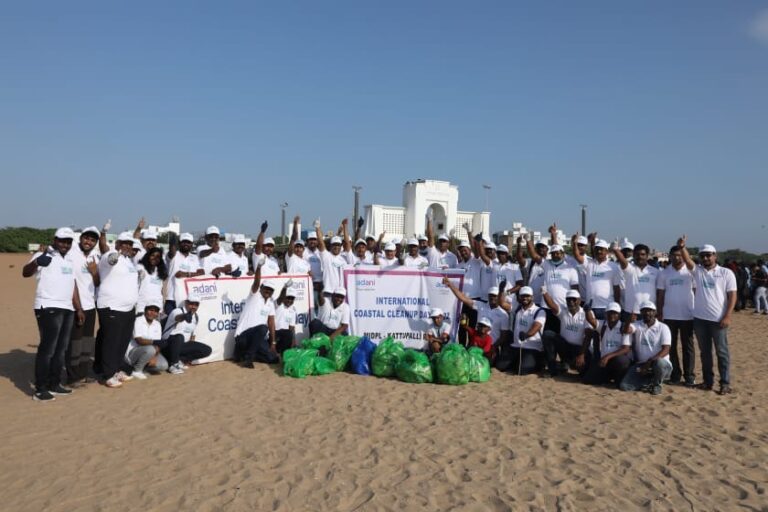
x: 583, y: 219
x: 356, y: 211
x: 283, y: 206
x: 487, y: 193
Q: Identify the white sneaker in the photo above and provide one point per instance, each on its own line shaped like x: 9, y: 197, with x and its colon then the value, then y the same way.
x: 123, y: 377
x: 182, y: 366
x: 113, y: 382
x: 139, y: 375
x: 175, y: 370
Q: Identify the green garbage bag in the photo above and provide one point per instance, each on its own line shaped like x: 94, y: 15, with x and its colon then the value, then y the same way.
x: 414, y: 367
x: 319, y: 342
x: 479, y: 367
x: 323, y: 366
x: 386, y: 356
x: 341, y: 350
x: 299, y: 362
x: 453, y: 365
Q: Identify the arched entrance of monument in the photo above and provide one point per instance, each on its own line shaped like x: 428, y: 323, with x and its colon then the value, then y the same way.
x: 439, y: 220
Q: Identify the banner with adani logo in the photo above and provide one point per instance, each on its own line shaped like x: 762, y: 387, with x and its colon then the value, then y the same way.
x: 396, y: 302
x: 222, y: 300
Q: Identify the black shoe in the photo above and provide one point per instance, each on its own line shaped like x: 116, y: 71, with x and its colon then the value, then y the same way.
x: 690, y: 383
x: 247, y: 363
x: 61, y: 390
x: 43, y: 396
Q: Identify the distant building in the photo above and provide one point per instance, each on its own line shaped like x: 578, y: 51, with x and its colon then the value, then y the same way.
x: 509, y: 237
x: 419, y: 197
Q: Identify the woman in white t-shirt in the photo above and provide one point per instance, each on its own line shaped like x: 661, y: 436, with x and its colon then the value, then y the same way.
x: 152, y: 273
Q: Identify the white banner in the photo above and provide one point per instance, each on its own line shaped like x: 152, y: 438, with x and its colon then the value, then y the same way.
x: 222, y: 301
x: 396, y: 302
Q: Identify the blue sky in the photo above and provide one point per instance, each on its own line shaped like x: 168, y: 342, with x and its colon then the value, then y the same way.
x: 652, y: 113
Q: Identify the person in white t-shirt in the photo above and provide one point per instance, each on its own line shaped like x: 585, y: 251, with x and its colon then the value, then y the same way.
x: 82, y: 341
x: 439, y: 332
x: 713, y: 304
x: 610, y: 358
x: 639, y: 280
x: 180, y: 341
x: 390, y: 259
x: 651, y: 340
x: 332, y: 316
x: 182, y: 264
x: 312, y: 255
x: 333, y: 260
x: 238, y: 259
x: 574, y: 333
x: 255, y: 333
x: 492, y: 309
x: 360, y: 254
x: 438, y: 254
x: 524, y: 353
x: 674, y: 299
x: 533, y: 272
x: 285, y: 319
x: 144, y: 349
x: 602, y: 278
x: 508, y: 274
x: 489, y: 268
x: 57, y: 307
x: 214, y: 260
x: 152, y: 275
x: 263, y: 253
x: 413, y: 259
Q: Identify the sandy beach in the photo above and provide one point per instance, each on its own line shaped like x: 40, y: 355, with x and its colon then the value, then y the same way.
x: 225, y: 438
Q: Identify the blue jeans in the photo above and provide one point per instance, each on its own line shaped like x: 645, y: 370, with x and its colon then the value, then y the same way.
x: 710, y: 333
x: 634, y: 380
x: 55, y: 325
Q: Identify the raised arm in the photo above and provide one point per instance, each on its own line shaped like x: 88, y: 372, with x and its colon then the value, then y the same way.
x: 319, y: 234
x: 260, y: 239
x: 137, y: 232
x: 553, y: 306
x: 592, y: 238
x: 256, y: 279
x: 103, y: 245
x: 519, y: 253
x: 430, y: 232
x: 684, y: 251
x: 346, y: 242
x: 553, y: 233
x: 623, y: 263
x: 458, y: 293
x: 577, y: 255
x: 532, y: 251
x: 481, y: 251
x: 294, y: 234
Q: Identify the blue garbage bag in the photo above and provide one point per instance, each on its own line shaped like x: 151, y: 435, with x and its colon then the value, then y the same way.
x: 361, y: 357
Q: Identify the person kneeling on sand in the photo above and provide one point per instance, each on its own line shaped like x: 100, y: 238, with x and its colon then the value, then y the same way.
x: 610, y: 355
x: 333, y: 315
x: 524, y: 353
x: 651, y: 341
x: 439, y: 332
x: 179, y: 336
x: 146, y: 343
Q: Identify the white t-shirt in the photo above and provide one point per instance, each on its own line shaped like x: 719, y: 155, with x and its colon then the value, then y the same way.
x: 559, y: 279
x: 498, y: 317
x: 471, y: 277
x: 640, y: 286
x: 150, y: 289
x: 221, y: 258
x: 488, y: 277
x: 572, y: 327
x: 296, y: 265
x: 612, y: 339
x: 180, y: 263
x: 509, y: 272
x: 523, y: 321
x: 239, y: 262
x: 387, y: 263
x: 333, y: 317
x: 535, y: 280
x: 712, y: 287
x: 143, y: 329
x: 649, y: 340
x: 285, y: 318
x: 600, y: 278
x: 55, y: 283
x: 439, y: 259
x: 119, y: 288
x: 86, y: 288
x: 678, y: 293
x: 186, y: 329
x: 271, y: 266
x: 333, y: 269
x: 580, y: 271
x: 438, y: 332
x: 415, y: 262
x: 256, y: 311
x: 315, y: 264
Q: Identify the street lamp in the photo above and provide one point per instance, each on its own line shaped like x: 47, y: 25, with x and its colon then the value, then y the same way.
x: 283, y: 206
x: 356, y: 211
x: 583, y: 219
x: 487, y: 193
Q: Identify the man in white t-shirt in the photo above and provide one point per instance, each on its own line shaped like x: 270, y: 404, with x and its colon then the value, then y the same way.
x: 439, y: 332
x: 713, y: 304
x: 389, y: 260
x: 570, y: 342
x: 508, y: 272
x: 491, y: 309
x: 238, y: 259
x: 651, y: 340
x: 639, y: 280
x: 610, y: 357
x: 438, y: 254
x: 285, y: 319
x: 413, y: 259
x: 144, y: 349
x: 56, y: 305
x: 312, y: 255
x: 524, y: 352
x: 264, y: 253
x: 255, y: 333
x: 601, y: 278
x: 674, y: 298
x: 181, y: 265
x: 180, y: 342
x: 214, y: 260
x: 334, y: 260
x: 332, y: 316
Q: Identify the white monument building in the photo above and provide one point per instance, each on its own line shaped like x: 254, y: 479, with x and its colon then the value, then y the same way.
x: 419, y: 197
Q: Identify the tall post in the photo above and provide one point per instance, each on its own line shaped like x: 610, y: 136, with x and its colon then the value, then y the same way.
x: 583, y: 219
x: 283, y: 234
x: 356, y: 211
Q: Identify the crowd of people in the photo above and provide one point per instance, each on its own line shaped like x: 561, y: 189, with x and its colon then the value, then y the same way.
x: 604, y: 312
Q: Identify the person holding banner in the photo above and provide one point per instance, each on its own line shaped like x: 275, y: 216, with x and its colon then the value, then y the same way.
x: 390, y: 259
x: 524, y: 354
x: 333, y: 316
x: 439, y: 333
x: 440, y: 256
x: 256, y: 323
x: 179, y: 337
x: 238, y: 260
x: 413, y: 259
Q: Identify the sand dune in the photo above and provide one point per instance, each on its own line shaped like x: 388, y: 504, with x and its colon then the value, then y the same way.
x: 225, y: 438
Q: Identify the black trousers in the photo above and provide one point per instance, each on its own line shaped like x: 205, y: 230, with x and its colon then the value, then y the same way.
x: 556, y: 346
x: 82, y: 345
x: 614, y: 371
x: 284, y: 339
x: 115, y: 333
x: 176, y: 349
x: 253, y: 345
x: 682, y: 335
x: 55, y: 325
x: 519, y: 361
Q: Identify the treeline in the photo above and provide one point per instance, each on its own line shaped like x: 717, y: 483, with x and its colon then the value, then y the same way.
x: 18, y: 239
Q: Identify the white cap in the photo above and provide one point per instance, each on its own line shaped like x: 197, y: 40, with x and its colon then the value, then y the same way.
x: 136, y: 244
x: 484, y: 321
x: 613, y: 306
x: 708, y: 248
x: 626, y: 244
x: 582, y: 240
x: 541, y: 242
x: 526, y: 290
x: 239, y: 239
x: 203, y: 247
x: 360, y: 241
x: 125, y: 236
x: 299, y: 242
x: 397, y: 241
x: 390, y: 247
x: 493, y: 290
x: 465, y: 244
x: 422, y: 237
x: 91, y: 229
x: 647, y: 305
x: 149, y: 234
x: 193, y: 297
x: 311, y: 236
x: 556, y: 248
x: 490, y: 245
x: 290, y: 293
x: 502, y: 248
x: 186, y: 237
x: 153, y: 303
x: 340, y: 291
x: 435, y: 312
x: 413, y: 241
x: 336, y: 240
x: 602, y: 244
x: 572, y: 294
x: 269, y: 241
x: 444, y: 238
x: 268, y: 283
x: 63, y: 233
x: 212, y: 230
